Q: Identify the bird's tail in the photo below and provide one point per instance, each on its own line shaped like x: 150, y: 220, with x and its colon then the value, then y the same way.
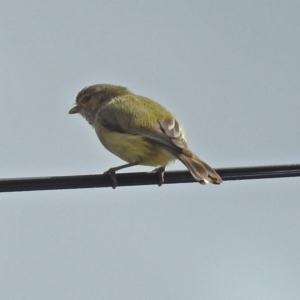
x: 201, y: 171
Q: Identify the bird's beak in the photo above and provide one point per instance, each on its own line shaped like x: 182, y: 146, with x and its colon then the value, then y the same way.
x: 74, y: 110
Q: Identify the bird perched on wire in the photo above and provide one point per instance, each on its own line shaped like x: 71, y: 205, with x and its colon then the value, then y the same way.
x: 139, y: 131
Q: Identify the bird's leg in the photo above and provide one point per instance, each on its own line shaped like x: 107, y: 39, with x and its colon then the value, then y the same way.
x: 160, y: 171
x: 112, y: 172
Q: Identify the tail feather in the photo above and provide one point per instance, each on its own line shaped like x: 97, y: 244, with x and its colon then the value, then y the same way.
x: 200, y: 170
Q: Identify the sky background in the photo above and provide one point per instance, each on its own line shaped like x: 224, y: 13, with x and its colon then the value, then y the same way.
x: 229, y: 70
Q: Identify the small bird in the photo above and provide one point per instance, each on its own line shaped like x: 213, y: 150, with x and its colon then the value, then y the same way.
x: 139, y: 131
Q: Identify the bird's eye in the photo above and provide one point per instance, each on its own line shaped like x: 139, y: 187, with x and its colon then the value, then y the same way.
x: 86, y: 99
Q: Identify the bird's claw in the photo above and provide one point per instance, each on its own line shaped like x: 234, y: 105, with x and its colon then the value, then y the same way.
x: 160, y: 171
x: 113, y: 177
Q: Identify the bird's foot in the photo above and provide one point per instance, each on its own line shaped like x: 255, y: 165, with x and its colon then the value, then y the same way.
x: 160, y: 171
x: 112, y: 174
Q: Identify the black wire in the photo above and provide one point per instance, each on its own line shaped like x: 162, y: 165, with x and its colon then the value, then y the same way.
x: 131, y: 179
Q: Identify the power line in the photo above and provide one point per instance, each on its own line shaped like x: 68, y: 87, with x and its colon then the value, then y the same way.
x: 132, y: 179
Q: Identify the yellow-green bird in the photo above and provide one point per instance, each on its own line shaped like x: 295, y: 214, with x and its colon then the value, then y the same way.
x: 138, y: 130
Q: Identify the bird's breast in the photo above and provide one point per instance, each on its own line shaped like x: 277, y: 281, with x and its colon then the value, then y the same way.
x: 132, y: 148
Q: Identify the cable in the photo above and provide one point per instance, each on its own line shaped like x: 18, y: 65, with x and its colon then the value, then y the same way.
x: 131, y: 179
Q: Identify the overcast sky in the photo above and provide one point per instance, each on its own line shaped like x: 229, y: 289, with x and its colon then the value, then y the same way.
x: 229, y: 70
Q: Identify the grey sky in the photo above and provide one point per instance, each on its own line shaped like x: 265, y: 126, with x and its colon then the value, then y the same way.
x: 229, y: 70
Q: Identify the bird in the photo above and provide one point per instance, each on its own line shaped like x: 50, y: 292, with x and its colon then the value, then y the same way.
x: 138, y: 130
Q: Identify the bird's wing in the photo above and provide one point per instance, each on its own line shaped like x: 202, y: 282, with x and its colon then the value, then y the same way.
x: 166, y: 132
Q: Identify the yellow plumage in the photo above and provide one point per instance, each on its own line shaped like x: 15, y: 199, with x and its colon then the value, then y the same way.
x: 132, y: 148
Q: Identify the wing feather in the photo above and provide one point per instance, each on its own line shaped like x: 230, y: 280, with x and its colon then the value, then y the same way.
x: 166, y: 132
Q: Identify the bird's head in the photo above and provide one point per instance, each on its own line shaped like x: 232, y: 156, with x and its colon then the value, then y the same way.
x: 90, y: 99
